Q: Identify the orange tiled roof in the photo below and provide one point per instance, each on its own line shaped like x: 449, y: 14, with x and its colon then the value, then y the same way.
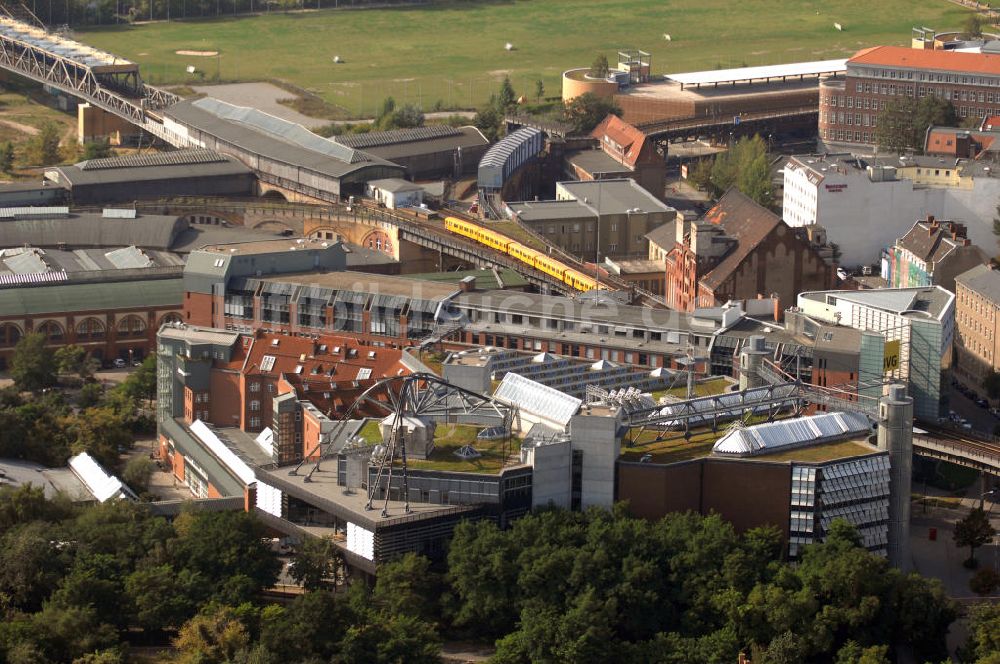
x: 991, y: 123
x: 901, y: 56
x: 322, y: 370
x: 630, y: 139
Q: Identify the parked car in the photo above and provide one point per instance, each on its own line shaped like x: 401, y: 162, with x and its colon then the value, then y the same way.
x: 119, y: 363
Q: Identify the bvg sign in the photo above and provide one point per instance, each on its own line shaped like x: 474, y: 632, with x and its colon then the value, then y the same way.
x: 890, y: 358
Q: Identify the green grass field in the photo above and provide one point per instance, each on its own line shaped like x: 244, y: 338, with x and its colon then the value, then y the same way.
x: 452, y: 54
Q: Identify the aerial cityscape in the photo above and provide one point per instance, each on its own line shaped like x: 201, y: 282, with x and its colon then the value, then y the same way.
x: 512, y: 331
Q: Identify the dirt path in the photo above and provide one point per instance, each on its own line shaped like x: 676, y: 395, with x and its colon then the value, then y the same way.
x: 27, y: 129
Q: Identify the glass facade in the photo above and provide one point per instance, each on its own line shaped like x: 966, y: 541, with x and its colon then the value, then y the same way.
x: 856, y: 490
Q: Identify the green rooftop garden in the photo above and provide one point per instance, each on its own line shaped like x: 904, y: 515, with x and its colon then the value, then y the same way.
x: 447, y: 439
x: 703, y: 389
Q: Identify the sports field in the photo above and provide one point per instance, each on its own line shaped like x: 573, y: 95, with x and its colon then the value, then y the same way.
x: 452, y: 55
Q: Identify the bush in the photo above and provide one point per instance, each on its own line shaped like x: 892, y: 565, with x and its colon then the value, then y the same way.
x: 985, y: 582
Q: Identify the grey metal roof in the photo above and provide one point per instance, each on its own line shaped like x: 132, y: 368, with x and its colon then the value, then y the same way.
x: 596, y: 161
x: 467, y: 138
x: 129, y: 257
x: 283, y: 129
x: 53, y: 481
x: 982, y: 280
x: 933, y: 300
x: 796, y: 432
x: 91, y: 230
x: 551, y: 210
x: 64, y: 298
x: 664, y: 235
x: 151, y: 170
x: 25, y: 262
x: 497, y: 155
x: 615, y: 196
x: 395, y: 185
x: 380, y: 138
x: 278, y: 142
x: 176, y: 158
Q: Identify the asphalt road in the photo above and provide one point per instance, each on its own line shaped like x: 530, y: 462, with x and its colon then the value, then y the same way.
x: 981, y: 419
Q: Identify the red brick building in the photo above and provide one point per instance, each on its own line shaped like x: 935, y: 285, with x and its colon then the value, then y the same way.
x: 850, y: 106
x: 296, y: 387
x: 110, y: 320
x: 741, y: 251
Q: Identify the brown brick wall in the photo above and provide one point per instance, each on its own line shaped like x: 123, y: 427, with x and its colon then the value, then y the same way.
x: 746, y: 493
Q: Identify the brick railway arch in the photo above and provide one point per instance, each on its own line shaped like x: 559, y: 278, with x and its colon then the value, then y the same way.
x: 277, y: 226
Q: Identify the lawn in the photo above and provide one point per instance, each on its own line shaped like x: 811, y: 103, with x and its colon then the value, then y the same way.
x: 447, y: 439
x: 702, y: 389
x: 452, y: 54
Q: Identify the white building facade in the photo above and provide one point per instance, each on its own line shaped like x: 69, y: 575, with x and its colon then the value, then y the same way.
x: 921, y: 319
x: 865, y: 207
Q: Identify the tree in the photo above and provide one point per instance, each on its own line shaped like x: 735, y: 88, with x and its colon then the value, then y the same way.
x: 164, y: 597
x: 27, y: 503
x: 7, y: 157
x: 90, y: 395
x: 401, y: 118
x: 744, y: 166
x: 984, y: 633
x: 102, y: 433
x: 973, y: 531
x: 507, y: 98
x: 137, y: 473
x: 96, y: 149
x: 932, y: 111
x: 224, y: 545
x: 407, y: 586
x: 43, y: 149
x: 141, y: 383
x: 539, y: 90
x: 587, y: 110
x: 985, y: 581
x: 895, y: 130
x: 973, y: 26
x: 214, y: 636
x: 70, y: 359
x: 599, y: 68
x: 991, y: 383
x: 316, y: 563
x: 388, y: 106
x: 489, y: 120
x: 903, y: 124
x: 33, y: 365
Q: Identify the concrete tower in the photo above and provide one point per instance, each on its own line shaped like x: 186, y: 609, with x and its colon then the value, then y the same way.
x: 751, y: 359
x: 895, y: 435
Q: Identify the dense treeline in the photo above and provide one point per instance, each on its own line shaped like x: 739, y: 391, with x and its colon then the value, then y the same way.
x: 570, y: 587
x: 76, y: 584
x: 56, y: 408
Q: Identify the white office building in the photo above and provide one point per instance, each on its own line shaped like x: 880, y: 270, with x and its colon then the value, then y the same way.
x: 922, y: 319
x: 865, y: 205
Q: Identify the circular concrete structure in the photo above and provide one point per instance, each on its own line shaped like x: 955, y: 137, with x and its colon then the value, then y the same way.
x: 576, y: 82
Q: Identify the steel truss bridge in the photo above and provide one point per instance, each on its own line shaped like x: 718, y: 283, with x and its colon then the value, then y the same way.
x: 105, y: 81
x: 760, y: 122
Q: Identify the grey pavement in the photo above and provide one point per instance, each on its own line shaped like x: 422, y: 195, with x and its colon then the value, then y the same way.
x: 262, y: 96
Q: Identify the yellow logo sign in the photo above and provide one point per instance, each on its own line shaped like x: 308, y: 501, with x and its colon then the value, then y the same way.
x: 890, y: 358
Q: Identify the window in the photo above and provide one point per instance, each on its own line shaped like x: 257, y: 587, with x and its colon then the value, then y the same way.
x: 255, y: 405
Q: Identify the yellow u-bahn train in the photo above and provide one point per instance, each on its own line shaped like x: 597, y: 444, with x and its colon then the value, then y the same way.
x: 527, y: 255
